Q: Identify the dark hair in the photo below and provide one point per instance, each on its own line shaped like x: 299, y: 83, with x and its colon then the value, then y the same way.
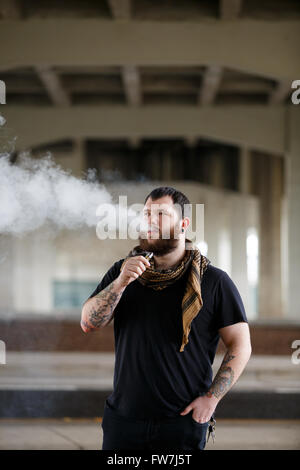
x: 177, y: 196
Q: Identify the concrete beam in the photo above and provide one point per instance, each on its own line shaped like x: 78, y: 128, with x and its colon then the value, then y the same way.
x: 132, y: 85
x: 257, y: 127
x: 210, y: 85
x: 247, y: 85
x: 246, y: 45
x: 280, y: 92
x: 53, y: 86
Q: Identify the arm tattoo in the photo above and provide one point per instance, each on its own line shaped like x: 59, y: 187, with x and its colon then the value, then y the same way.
x: 106, y: 302
x: 223, y: 378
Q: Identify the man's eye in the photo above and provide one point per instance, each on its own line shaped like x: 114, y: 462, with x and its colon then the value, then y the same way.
x: 159, y: 212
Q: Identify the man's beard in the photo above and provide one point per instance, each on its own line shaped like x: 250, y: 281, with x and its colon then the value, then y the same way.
x: 160, y: 246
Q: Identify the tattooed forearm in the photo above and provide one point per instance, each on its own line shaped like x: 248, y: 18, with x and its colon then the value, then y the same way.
x: 101, y: 307
x: 223, y: 379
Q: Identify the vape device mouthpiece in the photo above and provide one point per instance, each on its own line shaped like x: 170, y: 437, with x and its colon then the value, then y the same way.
x: 148, y: 255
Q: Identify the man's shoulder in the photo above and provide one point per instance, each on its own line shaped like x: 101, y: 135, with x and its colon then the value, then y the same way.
x: 113, y: 271
x: 213, y: 274
x: 118, y: 263
x: 116, y: 266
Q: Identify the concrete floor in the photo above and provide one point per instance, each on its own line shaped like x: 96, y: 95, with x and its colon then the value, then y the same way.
x: 69, y: 434
x: 74, y: 371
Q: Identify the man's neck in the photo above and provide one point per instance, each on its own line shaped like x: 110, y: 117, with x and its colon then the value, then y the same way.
x: 170, y: 260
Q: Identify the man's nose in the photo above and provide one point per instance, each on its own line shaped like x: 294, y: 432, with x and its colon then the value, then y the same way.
x: 153, y: 220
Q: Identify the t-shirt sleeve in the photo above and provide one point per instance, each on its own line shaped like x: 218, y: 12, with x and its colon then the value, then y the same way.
x: 229, y: 307
x: 108, y: 278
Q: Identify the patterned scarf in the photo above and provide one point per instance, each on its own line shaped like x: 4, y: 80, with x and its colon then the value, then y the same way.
x: 159, y: 279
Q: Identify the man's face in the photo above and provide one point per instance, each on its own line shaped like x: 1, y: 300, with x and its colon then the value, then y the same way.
x: 160, y: 228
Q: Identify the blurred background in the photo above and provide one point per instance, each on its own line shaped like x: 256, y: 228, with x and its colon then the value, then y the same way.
x: 196, y: 95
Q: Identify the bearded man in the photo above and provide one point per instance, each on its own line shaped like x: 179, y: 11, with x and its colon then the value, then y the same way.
x: 169, y: 312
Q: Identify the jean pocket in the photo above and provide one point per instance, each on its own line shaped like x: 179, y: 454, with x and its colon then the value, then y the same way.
x: 109, y: 408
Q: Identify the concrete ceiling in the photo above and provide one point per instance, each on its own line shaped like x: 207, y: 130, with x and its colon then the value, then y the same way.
x: 42, y: 82
x: 142, y: 56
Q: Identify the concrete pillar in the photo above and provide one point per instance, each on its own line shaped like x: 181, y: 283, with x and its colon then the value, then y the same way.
x: 293, y: 208
x: 269, y: 174
x: 224, y: 232
x: 33, y: 273
x: 7, y: 287
x: 244, y: 170
x: 216, y: 170
x: 284, y: 254
x: 212, y: 226
x: 167, y: 165
x: 239, y: 226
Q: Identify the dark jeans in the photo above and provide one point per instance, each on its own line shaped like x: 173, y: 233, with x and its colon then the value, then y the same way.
x: 178, y: 433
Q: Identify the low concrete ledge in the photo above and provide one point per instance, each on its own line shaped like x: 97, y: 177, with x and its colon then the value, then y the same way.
x: 41, y: 370
x: 43, y: 333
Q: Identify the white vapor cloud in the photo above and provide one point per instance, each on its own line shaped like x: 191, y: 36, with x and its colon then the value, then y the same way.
x: 35, y: 192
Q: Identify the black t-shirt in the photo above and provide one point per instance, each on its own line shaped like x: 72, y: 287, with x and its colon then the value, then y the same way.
x: 152, y: 378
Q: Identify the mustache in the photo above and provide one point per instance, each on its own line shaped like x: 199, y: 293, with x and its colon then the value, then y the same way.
x: 145, y: 228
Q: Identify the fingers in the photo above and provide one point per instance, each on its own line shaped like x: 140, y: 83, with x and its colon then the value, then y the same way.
x: 138, y: 261
x: 186, y: 410
x: 135, y: 266
x: 201, y: 419
x: 144, y: 260
x: 136, y: 270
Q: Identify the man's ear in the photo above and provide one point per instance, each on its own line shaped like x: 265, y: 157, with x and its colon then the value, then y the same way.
x: 185, y: 222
